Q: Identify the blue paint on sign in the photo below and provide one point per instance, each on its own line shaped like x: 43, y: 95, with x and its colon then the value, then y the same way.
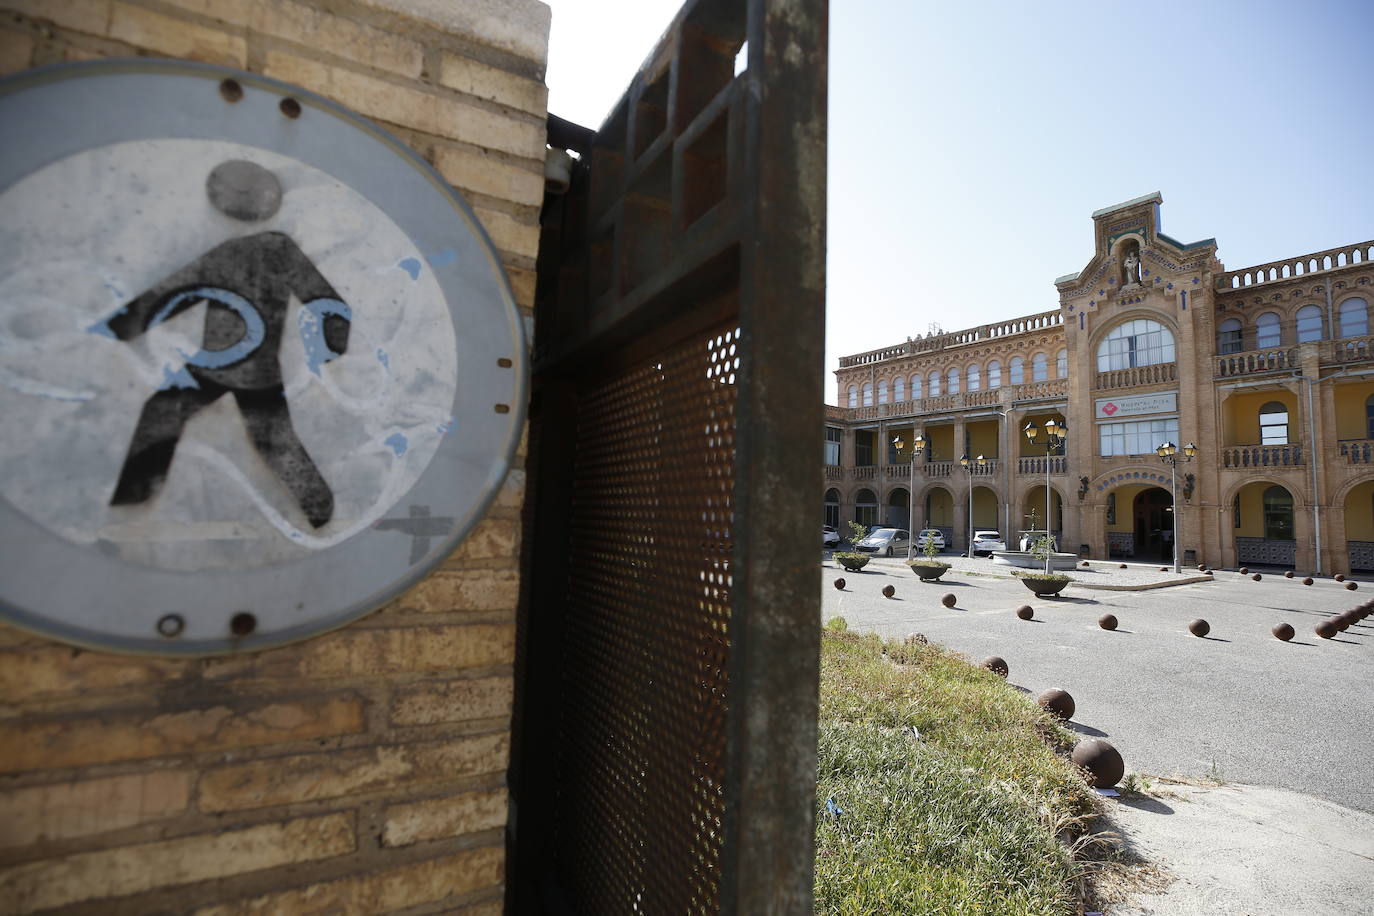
x: 442, y: 257
x: 398, y: 442
x: 411, y: 266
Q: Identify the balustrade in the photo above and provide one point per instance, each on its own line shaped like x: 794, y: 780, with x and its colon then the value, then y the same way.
x: 1348, y: 350
x: 1136, y: 376
x: 834, y: 472
x: 936, y: 469
x: 1058, y: 465
x: 1055, y: 388
x: 1358, y: 452
x: 1262, y: 456
x: 866, y: 472
x: 1257, y: 361
x: 1288, y: 268
x: 1027, y: 324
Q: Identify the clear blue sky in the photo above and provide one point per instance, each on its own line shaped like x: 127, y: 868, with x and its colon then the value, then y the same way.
x: 970, y: 143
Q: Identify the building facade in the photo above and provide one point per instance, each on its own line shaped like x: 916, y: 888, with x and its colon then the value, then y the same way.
x: 1268, y: 370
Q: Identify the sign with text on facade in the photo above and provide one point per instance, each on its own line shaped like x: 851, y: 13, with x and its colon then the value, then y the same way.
x: 1136, y: 405
x: 262, y: 367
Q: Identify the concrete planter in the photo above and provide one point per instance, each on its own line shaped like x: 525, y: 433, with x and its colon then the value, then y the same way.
x: 853, y: 564
x: 1043, y: 587
x: 928, y: 571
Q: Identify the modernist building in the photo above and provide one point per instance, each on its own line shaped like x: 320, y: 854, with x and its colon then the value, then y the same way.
x: 1268, y: 370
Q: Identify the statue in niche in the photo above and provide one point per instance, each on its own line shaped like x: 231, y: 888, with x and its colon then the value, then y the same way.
x: 1130, y: 266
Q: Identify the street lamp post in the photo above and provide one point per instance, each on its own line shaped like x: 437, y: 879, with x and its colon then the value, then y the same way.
x: 1168, y: 453
x: 918, y: 445
x: 1055, y: 434
x: 970, y: 465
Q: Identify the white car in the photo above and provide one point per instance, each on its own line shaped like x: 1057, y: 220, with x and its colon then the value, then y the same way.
x: 930, y: 534
x: 987, y: 541
x: 829, y: 537
x: 885, y: 541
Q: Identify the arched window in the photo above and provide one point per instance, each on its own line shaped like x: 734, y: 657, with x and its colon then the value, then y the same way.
x: 1135, y: 343
x: 899, y: 388
x: 1369, y: 417
x: 1228, y: 336
x: 1309, y: 323
x: 1061, y: 364
x: 975, y: 377
x: 868, y: 394
x: 882, y: 391
x: 1017, y: 370
x: 1278, y: 514
x: 866, y: 508
x: 995, y: 374
x: 953, y: 381
x: 915, y: 387
x: 1267, y: 332
x: 1040, y: 370
x: 1273, y: 423
x: 1354, y: 318
x: 934, y: 380
x: 853, y: 396
x: 832, y: 508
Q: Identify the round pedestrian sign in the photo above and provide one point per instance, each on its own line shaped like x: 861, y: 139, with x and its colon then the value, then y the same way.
x: 260, y: 367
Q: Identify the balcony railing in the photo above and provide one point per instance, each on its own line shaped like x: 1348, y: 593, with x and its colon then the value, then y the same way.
x: 1035, y: 391
x: 865, y: 472
x: 1027, y: 324
x: 1262, y: 456
x: 834, y: 472
x: 1058, y: 464
x: 936, y: 469
x: 1347, y: 350
x: 1137, y: 376
x: 921, y: 406
x: 1274, y: 271
x: 1358, y: 452
x: 1270, y: 360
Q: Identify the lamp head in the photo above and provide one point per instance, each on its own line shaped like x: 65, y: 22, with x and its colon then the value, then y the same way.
x: 1031, y: 430
x: 919, y: 443
x: 963, y: 461
x: 1190, y: 450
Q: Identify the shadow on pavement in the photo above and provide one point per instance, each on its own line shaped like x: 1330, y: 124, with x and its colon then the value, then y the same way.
x: 1146, y: 803
x: 1088, y: 730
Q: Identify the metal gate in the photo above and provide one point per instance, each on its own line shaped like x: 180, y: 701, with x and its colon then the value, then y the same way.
x: 663, y: 756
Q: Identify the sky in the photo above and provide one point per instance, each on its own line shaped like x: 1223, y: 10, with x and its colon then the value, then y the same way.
x: 969, y: 143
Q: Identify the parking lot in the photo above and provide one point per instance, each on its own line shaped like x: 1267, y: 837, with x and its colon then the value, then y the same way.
x: 1238, y: 705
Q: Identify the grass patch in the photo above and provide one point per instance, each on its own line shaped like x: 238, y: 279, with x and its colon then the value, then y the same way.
x: 972, y: 817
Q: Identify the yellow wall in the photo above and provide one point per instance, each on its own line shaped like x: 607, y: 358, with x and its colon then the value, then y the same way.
x: 1035, y: 499
x: 985, y: 509
x: 1359, y: 513
x: 982, y: 439
x: 1029, y: 449
x: 940, y: 443
x: 1350, y: 411
x: 1125, y: 507
x: 1242, y: 416
x: 941, y: 509
x: 1252, y: 510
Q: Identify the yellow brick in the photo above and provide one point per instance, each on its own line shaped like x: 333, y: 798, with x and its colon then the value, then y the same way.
x: 464, y: 590
x: 288, y: 780
x: 88, y: 740
x: 73, y: 809
x: 26, y: 673
x: 372, y: 653
x: 436, y: 818
x: 519, y: 27
x: 175, y: 37
x: 90, y: 16
x: 131, y: 869
x: 332, y: 34
x: 508, y: 233
x: 380, y: 892
x: 442, y: 115
x: 454, y: 701
x: 492, y: 539
x: 490, y: 175
x: 16, y: 52
x: 521, y: 285
x: 501, y: 86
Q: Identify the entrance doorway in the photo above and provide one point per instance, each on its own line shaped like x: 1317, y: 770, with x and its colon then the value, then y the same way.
x: 1154, y: 524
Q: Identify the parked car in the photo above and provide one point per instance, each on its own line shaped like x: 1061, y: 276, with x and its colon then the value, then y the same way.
x: 885, y: 541
x: 930, y: 534
x: 829, y: 537
x: 985, y: 542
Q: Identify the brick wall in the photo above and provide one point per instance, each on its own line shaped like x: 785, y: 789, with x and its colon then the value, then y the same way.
x: 364, y: 770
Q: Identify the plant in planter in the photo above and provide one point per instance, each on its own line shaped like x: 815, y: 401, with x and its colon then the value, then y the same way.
x: 1043, y: 583
x: 929, y: 568
x: 852, y: 560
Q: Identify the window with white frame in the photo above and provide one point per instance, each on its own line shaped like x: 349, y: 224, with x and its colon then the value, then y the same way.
x: 882, y: 391
x: 1040, y: 371
x: 1228, y: 336
x: 934, y: 379
x: 1140, y: 437
x: 1017, y: 369
x: 1140, y: 342
x: 1267, y: 330
x: 1354, y: 318
x: 868, y: 394
x: 899, y: 388
x: 975, y: 377
x: 953, y: 381
x: 1061, y: 364
x: 1309, y: 323
x: 995, y: 374
x: 832, y: 445
x: 1273, y: 424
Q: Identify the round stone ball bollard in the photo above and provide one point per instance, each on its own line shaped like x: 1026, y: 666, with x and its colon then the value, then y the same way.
x: 1340, y: 623
x: 1351, y: 586
x: 1340, y: 577
x: 888, y: 591
x: 1025, y: 612
x: 1245, y: 570
x: 997, y: 665
x: 949, y: 600
x: 1107, y: 621
x: 1257, y: 577
x: 1163, y: 569
x: 1282, y: 631
x: 1057, y: 701
x: 1199, y: 627
x: 1288, y: 575
x: 1122, y: 566
x: 1102, y: 761
x: 839, y: 584
x: 1307, y: 580
x: 1326, y: 629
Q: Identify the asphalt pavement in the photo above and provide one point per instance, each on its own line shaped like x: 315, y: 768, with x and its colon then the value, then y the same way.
x: 1238, y: 705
